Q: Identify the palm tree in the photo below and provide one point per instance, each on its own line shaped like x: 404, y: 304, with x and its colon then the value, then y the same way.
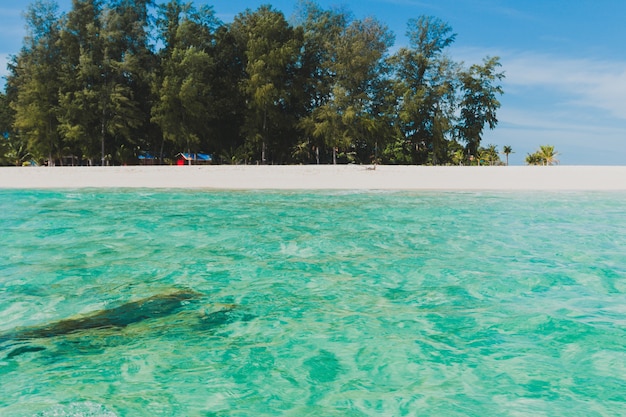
x: 533, y: 159
x: 548, y: 155
x: 15, y: 152
x: 489, y: 155
x: 506, y: 150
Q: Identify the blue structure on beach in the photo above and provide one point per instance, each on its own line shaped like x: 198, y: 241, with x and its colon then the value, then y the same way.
x: 146, y: 158
x: 194, y: 158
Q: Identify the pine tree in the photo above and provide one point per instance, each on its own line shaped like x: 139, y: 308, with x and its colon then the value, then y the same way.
x: 479, y: 103
x: 425, y: 86
x: 183, y: 86
x: 35, y: 79
x: 272, y: 53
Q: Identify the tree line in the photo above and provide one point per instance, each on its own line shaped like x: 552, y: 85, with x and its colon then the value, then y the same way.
x: 112, y: 79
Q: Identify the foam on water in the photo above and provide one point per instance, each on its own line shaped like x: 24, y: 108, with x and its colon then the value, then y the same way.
x: 84, y: 409
x: 360, y: 304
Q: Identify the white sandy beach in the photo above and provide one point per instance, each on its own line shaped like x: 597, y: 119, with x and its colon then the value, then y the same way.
x: 322, y: 177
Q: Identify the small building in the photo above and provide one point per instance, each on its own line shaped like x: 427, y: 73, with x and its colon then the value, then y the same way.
x: 193, y: 158
x: 146, y: 158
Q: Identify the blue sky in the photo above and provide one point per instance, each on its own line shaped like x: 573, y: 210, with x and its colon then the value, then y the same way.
x: 564, y: 60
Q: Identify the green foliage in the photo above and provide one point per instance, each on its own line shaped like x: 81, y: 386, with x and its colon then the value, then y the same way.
x: 546, y: 155
x: 426, y: 85
x: 345, y: 61
x: 13, y: 150
x: 489, y: 155
x: 104, y: 93
x: 479, y: 103
x: 272, y: 50
x: 185, y: 91
x: 507, y: 150
x: 35, y: 81
x: 6, y: 117
x: 107, y: 81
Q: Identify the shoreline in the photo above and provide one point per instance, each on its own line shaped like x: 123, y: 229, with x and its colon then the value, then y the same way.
x: 321, y: 177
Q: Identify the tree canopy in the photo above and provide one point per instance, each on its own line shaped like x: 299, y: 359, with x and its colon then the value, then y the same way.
x: 112, y: 79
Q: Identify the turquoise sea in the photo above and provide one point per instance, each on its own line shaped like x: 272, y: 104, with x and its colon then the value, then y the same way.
x: 314, y: 303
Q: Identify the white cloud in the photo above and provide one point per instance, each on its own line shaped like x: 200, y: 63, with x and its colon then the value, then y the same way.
x: 575, y: 104
x: 581, y: 82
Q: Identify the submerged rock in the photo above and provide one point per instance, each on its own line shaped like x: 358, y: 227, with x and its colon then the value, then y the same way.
x: 155, y: 307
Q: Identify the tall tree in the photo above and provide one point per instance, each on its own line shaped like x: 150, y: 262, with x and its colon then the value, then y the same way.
x: 272, y: 55
x: 183, y: 86
x: 34, y: 77
x: 322, y: 31
x: 106, y: 68
x: 228, y: 110
x: 480, y: 88
x: 82, y: 94
x: 507, y: 150
x: 128, y: 48
x: 360, y: 84
x: 347, y: 67
x: 426, y: 85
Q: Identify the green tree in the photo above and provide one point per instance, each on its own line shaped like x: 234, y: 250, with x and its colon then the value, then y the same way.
x: 546, y: 155
x: 456, y: 154
x: 533, y: 159
x: 108, y: 80
x: 488, y: 155
x: 105, y: 94
x: 132, y: 63
x: 425, y: 85
x: 6, y: 120
x: 359, y: 89
x: 322, y: 30
x: 479, y: 103
x: 507, y: 150
x: 349, y: 72
x: 6, y: 116
x: 227, y: 114
x: 81, y: 92
x: 12, y: 150
x: 184, y: 90
x: 34, y: 77
x: 272, y: 55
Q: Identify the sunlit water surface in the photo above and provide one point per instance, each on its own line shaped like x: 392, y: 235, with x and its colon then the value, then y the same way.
x: 339, y: 304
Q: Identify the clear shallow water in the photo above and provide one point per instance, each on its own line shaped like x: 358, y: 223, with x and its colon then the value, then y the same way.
x: 343, y: 304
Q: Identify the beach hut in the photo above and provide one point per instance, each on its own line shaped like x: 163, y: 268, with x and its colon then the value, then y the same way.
x: 193, y: 158
x: 146, y: 158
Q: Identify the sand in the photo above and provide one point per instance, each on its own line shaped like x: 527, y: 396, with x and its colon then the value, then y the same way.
x: 321, y: 177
